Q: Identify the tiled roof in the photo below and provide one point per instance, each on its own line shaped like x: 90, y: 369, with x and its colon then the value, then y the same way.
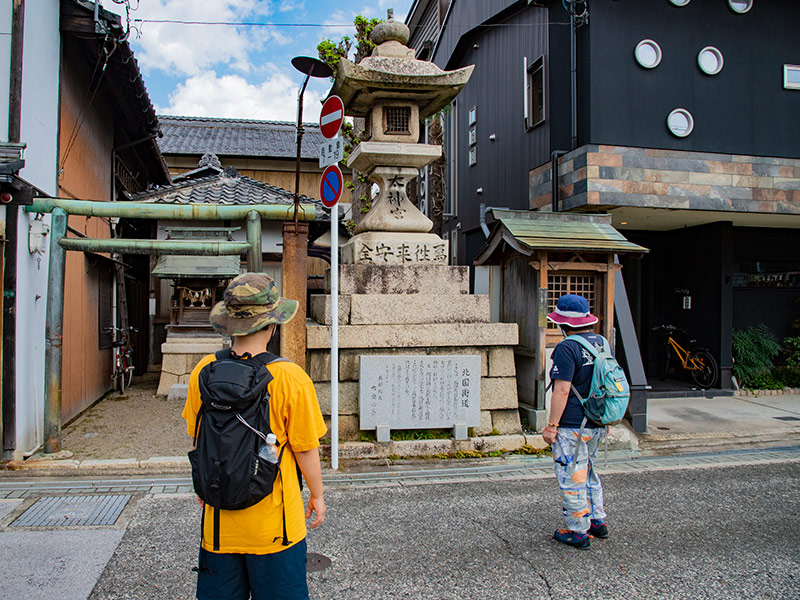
x: 227, y: 187
x: 236, y: 137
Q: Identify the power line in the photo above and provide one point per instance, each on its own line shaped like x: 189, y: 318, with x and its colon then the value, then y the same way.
x: 242, y: 23
x: 262, y: 24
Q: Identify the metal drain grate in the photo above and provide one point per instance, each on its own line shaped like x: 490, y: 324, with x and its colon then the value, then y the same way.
x: 73, y: 511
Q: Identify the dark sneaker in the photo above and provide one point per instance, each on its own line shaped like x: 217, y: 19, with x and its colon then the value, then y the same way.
x: 581, y: 541
x: 598, y: 529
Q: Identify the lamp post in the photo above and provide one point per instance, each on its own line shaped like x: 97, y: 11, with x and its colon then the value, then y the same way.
x: 295, y: 234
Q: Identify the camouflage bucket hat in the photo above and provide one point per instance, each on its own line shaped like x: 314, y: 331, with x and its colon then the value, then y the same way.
x: 251, y: 302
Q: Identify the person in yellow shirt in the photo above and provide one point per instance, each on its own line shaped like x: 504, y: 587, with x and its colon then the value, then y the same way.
x: 260, y: 552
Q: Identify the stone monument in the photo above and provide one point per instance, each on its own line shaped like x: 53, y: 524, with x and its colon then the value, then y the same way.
x: 399, y: 298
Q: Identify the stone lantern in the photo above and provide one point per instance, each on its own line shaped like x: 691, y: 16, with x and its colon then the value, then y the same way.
x: 417, y: 350
x: 393, y: 90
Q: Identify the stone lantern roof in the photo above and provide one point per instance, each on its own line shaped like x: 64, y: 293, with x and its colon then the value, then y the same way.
x: 393, y: 72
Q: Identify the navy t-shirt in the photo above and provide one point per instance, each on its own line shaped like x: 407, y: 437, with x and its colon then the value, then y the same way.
x: 572, y: 362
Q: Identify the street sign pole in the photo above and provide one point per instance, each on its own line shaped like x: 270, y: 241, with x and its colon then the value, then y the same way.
x: 330, y: 190
x: 330, y: 122
x: 335, y: 337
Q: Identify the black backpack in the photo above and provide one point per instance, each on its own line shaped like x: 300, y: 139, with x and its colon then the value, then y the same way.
x: 232, y: 425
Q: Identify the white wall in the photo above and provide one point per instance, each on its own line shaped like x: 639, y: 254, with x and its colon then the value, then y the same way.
x: 39, y: 130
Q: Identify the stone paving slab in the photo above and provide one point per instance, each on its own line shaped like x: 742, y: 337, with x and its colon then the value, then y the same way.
x: 514, y: 467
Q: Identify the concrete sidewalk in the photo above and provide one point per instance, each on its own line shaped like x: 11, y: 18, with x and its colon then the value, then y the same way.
x: 691, y: 424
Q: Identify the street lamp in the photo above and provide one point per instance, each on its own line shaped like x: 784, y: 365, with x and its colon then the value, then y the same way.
x: 295, y: 234
x: 310, y: 67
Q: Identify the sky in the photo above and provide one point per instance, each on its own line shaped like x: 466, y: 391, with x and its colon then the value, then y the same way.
x: 238, y: 71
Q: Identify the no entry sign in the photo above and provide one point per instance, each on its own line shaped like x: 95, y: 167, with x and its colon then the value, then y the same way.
x: 330, y: 188
x: 331, y: 117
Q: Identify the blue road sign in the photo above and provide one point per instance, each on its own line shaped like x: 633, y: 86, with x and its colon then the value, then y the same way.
x: 330, y: 188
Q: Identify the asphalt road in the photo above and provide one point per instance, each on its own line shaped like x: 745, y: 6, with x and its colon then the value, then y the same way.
x: 723, y: 532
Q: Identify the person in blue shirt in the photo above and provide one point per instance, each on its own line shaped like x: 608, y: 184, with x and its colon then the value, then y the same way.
x: 575, y: 443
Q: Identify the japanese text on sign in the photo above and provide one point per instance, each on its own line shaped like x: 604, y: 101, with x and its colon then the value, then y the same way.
x: 331, y: 151
x: 418, y: 392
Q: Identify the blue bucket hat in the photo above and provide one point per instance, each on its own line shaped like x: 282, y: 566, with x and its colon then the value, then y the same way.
x: 572, y: 310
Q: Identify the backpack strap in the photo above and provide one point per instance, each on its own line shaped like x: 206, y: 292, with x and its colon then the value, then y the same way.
x: 589, y: 345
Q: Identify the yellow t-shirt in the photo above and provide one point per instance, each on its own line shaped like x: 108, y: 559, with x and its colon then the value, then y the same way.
x: 294, y: 415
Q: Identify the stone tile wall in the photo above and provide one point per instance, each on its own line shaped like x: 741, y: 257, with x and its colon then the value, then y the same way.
x: 600, y: 177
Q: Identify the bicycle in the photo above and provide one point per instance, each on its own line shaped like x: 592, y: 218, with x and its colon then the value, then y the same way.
x: 123, y: 357
x: 698, y: 361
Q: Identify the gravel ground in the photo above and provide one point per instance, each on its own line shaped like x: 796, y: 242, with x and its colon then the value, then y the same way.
x: 138, y: 425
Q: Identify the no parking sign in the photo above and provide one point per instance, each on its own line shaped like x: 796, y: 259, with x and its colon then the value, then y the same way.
x: 330, y: 188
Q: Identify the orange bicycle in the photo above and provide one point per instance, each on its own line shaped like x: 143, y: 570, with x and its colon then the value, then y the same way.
x: 698, y: 361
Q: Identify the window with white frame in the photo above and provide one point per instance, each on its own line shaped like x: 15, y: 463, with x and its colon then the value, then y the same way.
x: 534, y: 93
x: 473, y: 136
x: 791, y: 77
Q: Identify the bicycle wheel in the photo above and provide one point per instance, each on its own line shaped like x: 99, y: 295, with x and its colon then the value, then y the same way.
x: 129, y: 376
x: 121, y: 375
x: 706, y: 376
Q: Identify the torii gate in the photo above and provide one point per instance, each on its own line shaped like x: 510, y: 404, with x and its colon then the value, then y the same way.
x: 59, y: 244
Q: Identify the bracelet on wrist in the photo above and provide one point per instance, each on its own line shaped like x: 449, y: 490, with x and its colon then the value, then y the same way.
x: 549, y: 424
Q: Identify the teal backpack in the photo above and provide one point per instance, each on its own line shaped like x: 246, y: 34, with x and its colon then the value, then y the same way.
x: 609, y: 392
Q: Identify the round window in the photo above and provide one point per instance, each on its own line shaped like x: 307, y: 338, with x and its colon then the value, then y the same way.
x: 710, y: 60
x: 680, y: 122
x: 740, y: 6
x: 680, y: 2
x: 648, y: 54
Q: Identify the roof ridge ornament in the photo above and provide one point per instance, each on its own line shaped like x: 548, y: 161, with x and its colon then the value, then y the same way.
x: 209, y: 159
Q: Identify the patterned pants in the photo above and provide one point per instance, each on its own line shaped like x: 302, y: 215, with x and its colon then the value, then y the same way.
x: 581, y: 492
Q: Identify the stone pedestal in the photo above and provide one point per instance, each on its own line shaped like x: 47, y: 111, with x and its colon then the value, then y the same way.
x: 181, y: 355
x: 416, y: 309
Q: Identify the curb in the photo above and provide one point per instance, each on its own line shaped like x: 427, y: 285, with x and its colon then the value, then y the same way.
x: 620, y: 438
x: 757, y: 393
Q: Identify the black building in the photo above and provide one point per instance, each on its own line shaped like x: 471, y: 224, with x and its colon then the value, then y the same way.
x: 679, y: 118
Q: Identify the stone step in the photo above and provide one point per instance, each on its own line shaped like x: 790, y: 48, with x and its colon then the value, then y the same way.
x: 402, y: 279
x: 414, y: 335
x: 402, y: 309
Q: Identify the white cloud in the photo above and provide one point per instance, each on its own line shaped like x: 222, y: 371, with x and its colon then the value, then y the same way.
x: 210, y: 95
x: 191, y: 49
x: 287, y: 5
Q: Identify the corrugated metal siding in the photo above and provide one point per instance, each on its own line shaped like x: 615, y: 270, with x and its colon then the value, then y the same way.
x: 428, y: 28
x: 465, y: 15
x: 496, y: 89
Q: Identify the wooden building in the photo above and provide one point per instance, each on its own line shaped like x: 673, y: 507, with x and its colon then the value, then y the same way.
x: 537, y: 257
x: 107, y: 149
x: 87, y: 132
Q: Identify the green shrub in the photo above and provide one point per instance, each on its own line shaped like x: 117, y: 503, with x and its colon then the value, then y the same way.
x: 420, y: 434
x: 788, y: 376
x: 754, y: 350
x: 765, y: 381
x: 791, y: 346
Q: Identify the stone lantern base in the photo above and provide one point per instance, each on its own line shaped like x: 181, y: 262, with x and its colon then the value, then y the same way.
x: 402, y: 310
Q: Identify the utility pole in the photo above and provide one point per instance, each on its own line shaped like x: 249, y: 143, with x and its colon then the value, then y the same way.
x: 9, y: 359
